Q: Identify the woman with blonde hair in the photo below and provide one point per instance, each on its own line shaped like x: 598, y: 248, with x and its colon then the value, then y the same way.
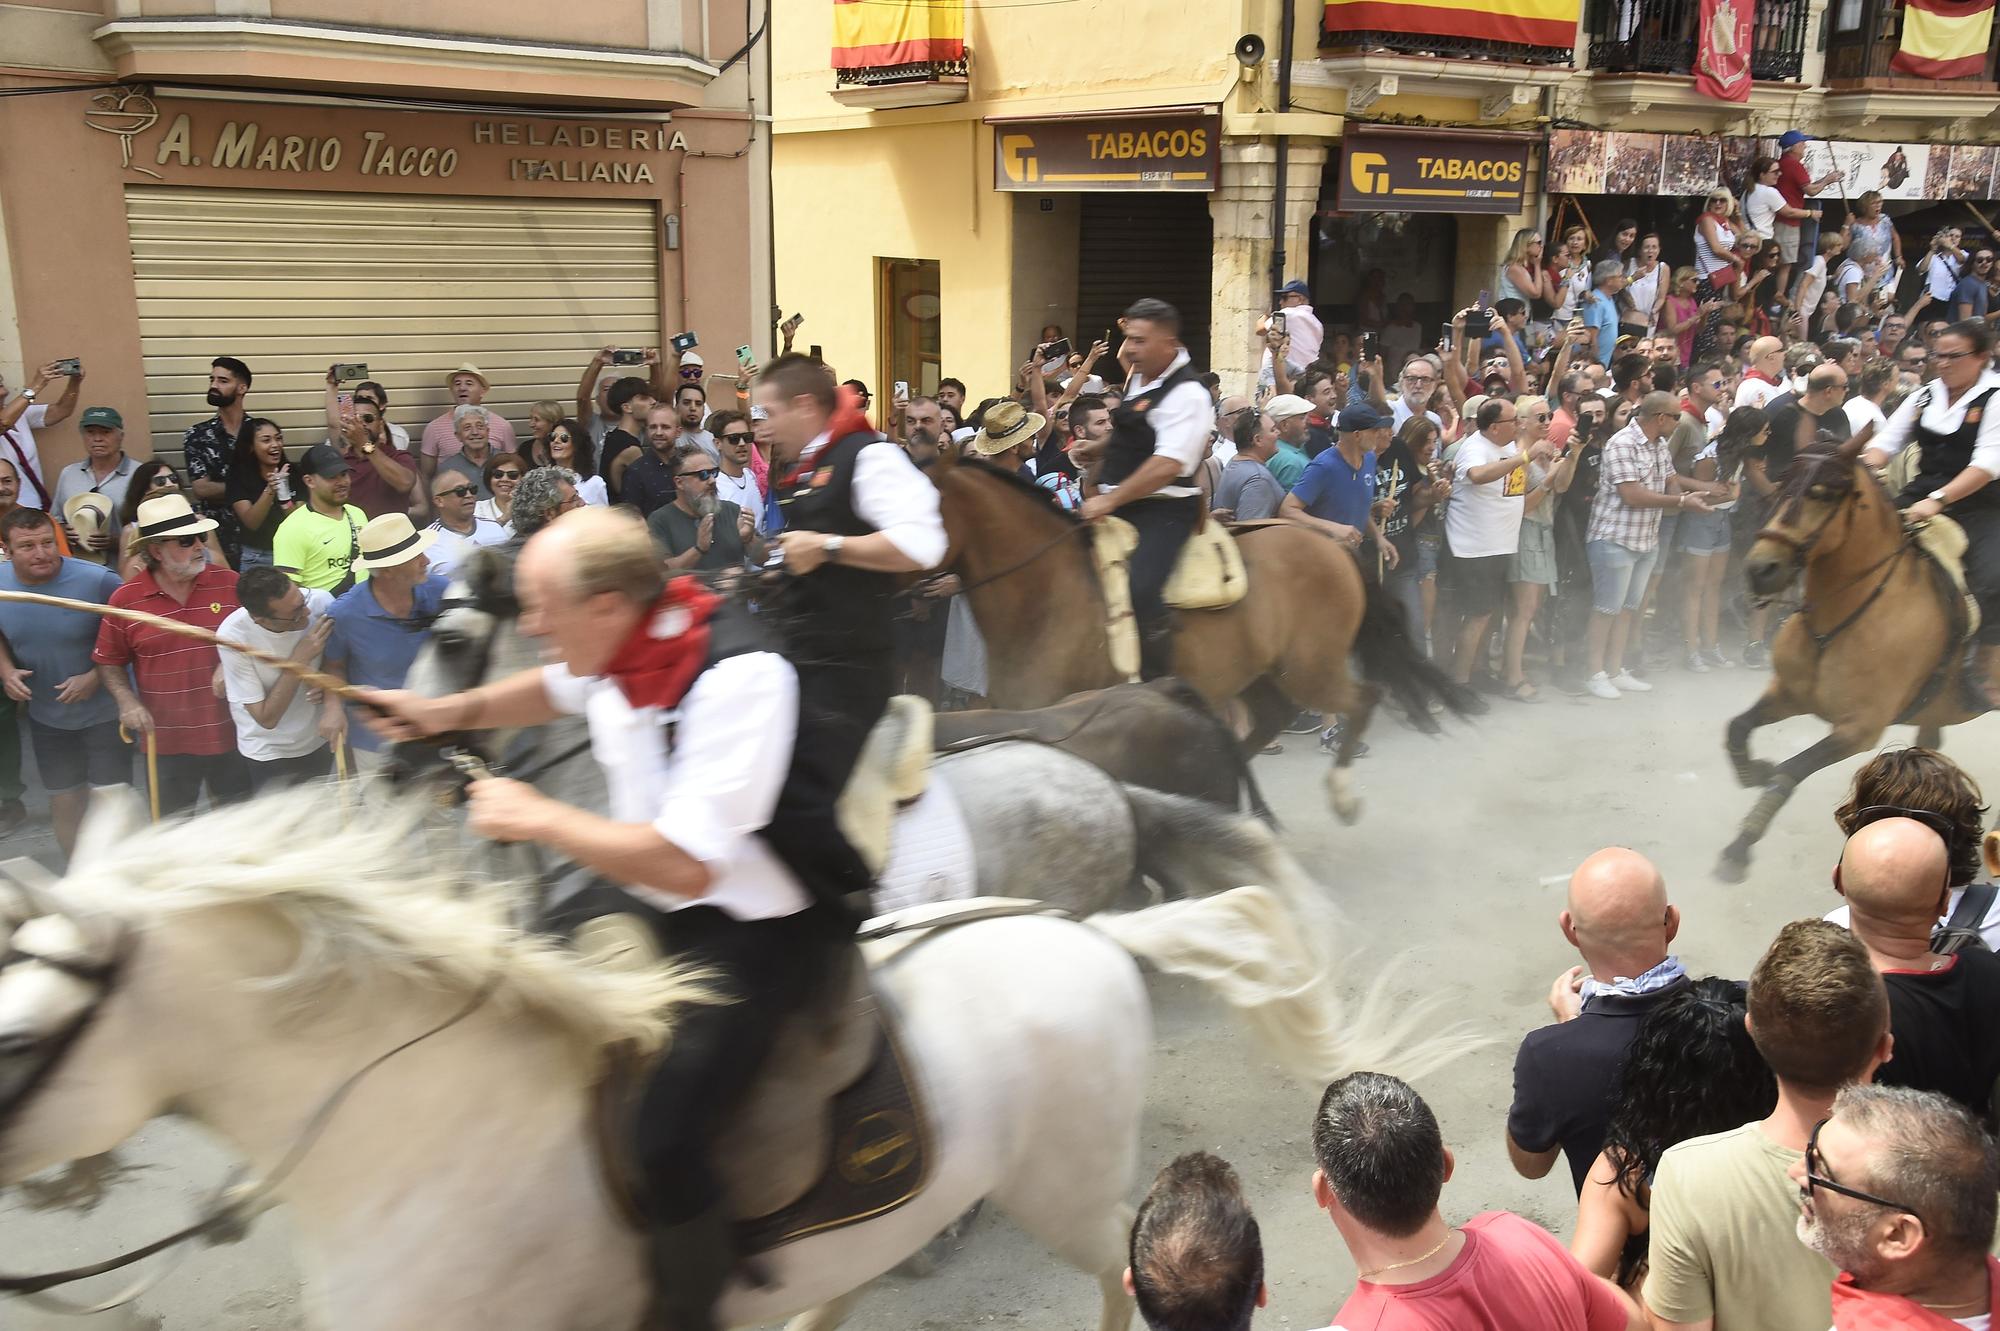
x: 543, y: 417
x: 1715, y: 234
x: 1681, y: 314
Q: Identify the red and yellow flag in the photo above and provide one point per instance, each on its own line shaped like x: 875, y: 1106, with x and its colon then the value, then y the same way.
x: 876, y: 34
x: 1549, y: 23
x: 1944, y: 39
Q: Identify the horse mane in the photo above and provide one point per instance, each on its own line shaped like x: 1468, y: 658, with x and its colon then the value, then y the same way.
x: 367, y: 899
x: 1014, y: 480
x: 1810, y: 467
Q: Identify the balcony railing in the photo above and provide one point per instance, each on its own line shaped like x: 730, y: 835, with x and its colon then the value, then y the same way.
x: 925, y: 71
x: 1451, y: 47
x: 1658, y: 37
x: 1862, y: 36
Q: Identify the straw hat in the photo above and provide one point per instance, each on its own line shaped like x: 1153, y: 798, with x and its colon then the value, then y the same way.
x: 1006, y: 426
x: 87, y: 514
x: 171, y: 515
x: 391, y: 540
x: 471, y: 369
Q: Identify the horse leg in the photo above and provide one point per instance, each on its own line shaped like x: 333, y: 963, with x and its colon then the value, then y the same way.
x: 1774, y: 705
x: 1097, y: 1246
x: 828, y: 1315
x: 1930, y: 737
x: 1269, y: 708
x: 1340, y: 777
x: 1845, y: 741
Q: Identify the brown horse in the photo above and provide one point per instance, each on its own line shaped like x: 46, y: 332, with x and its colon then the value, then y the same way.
x: 1876, y: 643
x: 1028, y: 568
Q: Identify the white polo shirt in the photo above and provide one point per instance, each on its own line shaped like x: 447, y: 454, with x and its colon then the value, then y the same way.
x: 248, y: 681
x: 1183, y: 422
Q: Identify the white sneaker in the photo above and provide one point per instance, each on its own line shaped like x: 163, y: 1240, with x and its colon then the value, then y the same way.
x: 1627, y: 682
x: 1600, y: 686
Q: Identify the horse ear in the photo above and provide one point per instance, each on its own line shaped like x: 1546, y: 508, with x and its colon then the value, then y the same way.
x: 1856, y: 442
x: 489, y: 574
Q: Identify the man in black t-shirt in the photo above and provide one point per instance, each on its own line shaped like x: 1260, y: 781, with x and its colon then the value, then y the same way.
x: 1572, y: 607
x: 1895, y: 874
x: 1795, y: 423
x: 632, y: 398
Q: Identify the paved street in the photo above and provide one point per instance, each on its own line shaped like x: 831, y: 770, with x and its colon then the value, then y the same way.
x: 1454, y: 876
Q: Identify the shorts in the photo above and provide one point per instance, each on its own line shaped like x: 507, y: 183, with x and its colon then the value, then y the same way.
x: 1429, y: 546
x: 1535, y: 561
x: 72, y: 759
x: 1618, y: 575
x: 1788, y: 242
x: 1704, y: 533
x: 1480, y: 584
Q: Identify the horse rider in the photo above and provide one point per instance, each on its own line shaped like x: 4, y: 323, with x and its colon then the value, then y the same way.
x: 858, y: 516
x: 1954, y: 421
x: 694, y: 719
x: 1159, y: 436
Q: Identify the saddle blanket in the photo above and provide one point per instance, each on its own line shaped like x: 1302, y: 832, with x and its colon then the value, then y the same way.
x: 1944, y: 541
x: 930, y: 853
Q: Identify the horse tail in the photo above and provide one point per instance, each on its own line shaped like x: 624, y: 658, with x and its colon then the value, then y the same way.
x: 1226, y: 742
x: 1390, y: 658
x: 1264, y: 959
x: 1192, y: 849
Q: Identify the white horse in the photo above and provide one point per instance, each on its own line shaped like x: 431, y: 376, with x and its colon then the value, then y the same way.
x: 260, y: 955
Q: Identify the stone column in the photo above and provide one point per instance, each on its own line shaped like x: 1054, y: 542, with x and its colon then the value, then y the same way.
x: 1241, y: 212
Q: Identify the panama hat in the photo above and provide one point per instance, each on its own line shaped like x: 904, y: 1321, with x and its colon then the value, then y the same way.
x: 390, y: 540
x: 171, y: 515
x: 1006, y: 425
x: 87, y: 514
x: 471, y: 369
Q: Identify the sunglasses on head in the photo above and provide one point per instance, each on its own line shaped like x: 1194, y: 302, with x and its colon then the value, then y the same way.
x: 459, y: 492
x: 705, y: 474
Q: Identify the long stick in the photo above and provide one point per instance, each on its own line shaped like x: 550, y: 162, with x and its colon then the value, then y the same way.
x: 307, y: 675
x: 1381, y: 555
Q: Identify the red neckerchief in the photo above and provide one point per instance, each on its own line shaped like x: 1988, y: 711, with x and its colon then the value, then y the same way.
x: 847, y: 419
x: 1760, y: 376
x: 656, y: 665
x: 1869, y: 1310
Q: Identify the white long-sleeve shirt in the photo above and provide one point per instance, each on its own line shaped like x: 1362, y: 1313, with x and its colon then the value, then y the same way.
x: 896, y: 499
x: 719, y: 784
x: 1183, y: 422
x: 1941, y: 417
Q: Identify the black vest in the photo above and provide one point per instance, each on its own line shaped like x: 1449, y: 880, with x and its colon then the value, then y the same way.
x: 1943, y: 456
x: 834, y: 611
x: 1132, y: 440
x: 734, y: 631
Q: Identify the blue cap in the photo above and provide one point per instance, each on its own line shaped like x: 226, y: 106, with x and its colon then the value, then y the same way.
x: 1792, y: 138
x: 1295, y: 287
x: 1361, y: 416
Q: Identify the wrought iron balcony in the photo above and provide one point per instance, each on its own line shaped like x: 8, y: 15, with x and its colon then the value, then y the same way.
x: 1658, y: 37
x: 1862, y: 36
x: 1448, y: 47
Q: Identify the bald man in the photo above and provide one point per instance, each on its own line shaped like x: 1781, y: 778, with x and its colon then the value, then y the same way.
x: 1620, y: 920
x: 1764, y: 378
x: 1943, y: 1011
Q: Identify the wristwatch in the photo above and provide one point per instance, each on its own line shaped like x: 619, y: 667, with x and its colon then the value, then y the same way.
x: 367, y: 450
x: 831, y: 548
x: 1938, y: 494
x: 29, y: 394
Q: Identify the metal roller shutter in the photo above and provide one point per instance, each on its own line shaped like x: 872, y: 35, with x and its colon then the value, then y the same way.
x: 413, y: 285
x: 1135, y: 245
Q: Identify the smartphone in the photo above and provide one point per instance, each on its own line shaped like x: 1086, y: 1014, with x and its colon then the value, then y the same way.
x: 70, y: 366
x: 686, y: 341
x: 1445, y: 333
x: 794, y: 322
x: 1277, y: 322
x: 624, y: 357
x: 1485, y: 299
x: 349, y: 372
x: 745, y: 357
x: 346, y: 402
x: 1478, y: 321
x: 815, y: 352
x: 902, y: 390
x: 1056, y: 350
x: 1371, y: 346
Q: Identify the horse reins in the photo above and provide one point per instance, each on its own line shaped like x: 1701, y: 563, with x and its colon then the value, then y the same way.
x: 1802, y: 552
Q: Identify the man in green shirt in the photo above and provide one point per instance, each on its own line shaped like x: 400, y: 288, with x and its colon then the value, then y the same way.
x: 1289, y: 413
x: 316, y: 545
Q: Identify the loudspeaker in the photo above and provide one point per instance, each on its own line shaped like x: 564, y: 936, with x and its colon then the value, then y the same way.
x: 1249, y: 49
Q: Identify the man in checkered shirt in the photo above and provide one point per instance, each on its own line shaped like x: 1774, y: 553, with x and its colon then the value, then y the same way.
x: 1636, y: 484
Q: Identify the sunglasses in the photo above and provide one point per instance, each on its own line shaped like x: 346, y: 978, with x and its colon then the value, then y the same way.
x: 1875, y: 813
x: 505, y: 474
x: 1816, y: 1178
x: 457, y: 492
x: 370, y: 420
x: 1952, y: 355
x: 738, y: 438
x: 706, y: 474
x: 184, y: 542
x: 165, y: 480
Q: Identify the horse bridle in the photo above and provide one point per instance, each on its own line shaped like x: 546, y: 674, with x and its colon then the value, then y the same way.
x: 1802, y: 553
x: 102, y: 976
x: 1802, y: 549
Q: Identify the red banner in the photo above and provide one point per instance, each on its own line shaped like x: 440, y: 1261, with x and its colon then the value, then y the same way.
x: 1722, y: 61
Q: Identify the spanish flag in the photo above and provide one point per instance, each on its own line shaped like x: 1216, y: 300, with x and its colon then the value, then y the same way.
x: 877, y: 34
x: 1944, y: 39
x: 1546, y: 23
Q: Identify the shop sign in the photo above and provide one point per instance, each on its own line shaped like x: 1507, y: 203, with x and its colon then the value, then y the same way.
x: 293, y: 146
x: 1434, y: 171
x: 1155, y: 152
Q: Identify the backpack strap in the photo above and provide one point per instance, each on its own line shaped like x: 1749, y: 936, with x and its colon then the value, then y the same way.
x: 1961, y: 930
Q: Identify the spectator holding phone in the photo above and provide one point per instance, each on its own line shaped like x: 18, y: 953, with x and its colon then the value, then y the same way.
x: 377, y: 452
x: 24, y: 413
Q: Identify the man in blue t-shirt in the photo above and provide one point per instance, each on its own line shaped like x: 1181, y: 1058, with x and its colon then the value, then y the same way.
x: 45, y: 662
x: 1600, y: 312
x: 1337, y: 492
x: 380, y: 625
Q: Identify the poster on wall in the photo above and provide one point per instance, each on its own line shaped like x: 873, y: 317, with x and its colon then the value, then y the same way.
x: 1692, y: 164
x: 1898, y: 170
x: 1971, y: 173
x: 1589, y: 161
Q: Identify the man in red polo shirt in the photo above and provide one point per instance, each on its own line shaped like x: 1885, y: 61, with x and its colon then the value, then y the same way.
x: 176, y: 702
x: 1798, y: 238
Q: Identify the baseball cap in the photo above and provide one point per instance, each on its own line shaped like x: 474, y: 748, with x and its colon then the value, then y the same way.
x: 692, y: 357
x: 1295, y: 287
x: 105, y: 416
x: 324, y: 461
x: 1287, y: 405
x: 1793, y: 137
x: 1362, y: 416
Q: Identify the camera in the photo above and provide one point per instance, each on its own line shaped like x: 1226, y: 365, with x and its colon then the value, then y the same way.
x: 349, y: 371
x: 70, y: 366
x: 624, y: 357
x: 686, y: 341
x: 1478, y: 322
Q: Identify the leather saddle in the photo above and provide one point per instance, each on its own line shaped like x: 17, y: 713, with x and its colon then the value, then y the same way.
x: 833, y: 1133
x: 1208, y: 575
x: 893, y: 770
x: 1942, y: 544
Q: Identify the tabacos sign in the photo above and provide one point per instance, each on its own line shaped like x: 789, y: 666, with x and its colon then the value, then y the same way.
x: 1170, y: 151
x: 1432, y: 171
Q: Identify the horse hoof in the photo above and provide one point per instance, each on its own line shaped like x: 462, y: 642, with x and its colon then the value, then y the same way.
x: 1730, y: 869
x: 1340, y: 794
